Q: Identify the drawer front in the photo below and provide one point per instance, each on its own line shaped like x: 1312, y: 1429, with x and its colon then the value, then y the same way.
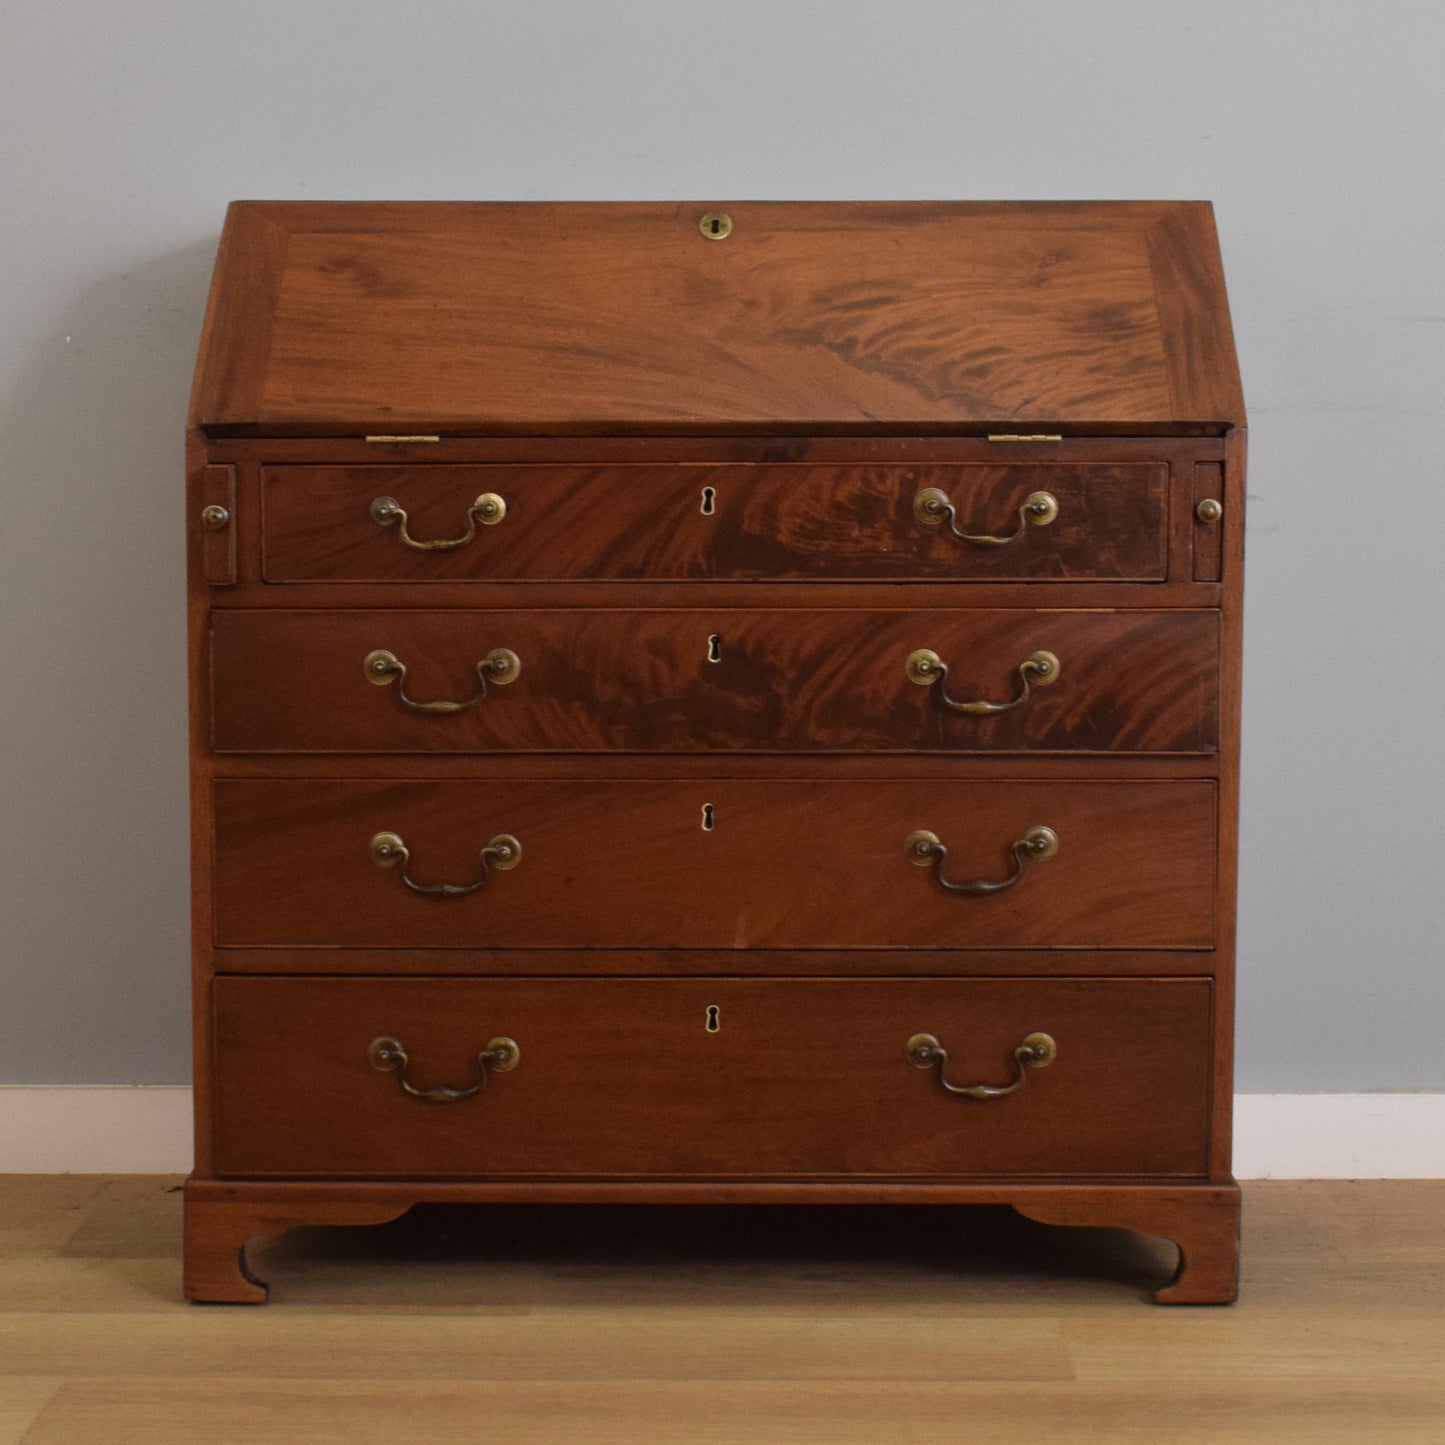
x: 684, y: 681
x: 710, y: 1077
x: 713, y: 864
x: 331, y: 523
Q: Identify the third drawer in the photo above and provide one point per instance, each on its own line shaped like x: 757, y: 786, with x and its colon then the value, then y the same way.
x: 721, y: 863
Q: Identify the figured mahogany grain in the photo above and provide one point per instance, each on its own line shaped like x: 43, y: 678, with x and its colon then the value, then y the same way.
x: 600, y: 365
x: 549, y: 319
x: 628, y: 680
x: 802, y: 523
x: 804, y: 864
x: 623, y: 1076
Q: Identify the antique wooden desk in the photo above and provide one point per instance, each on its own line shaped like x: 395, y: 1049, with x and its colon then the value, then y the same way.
x: 716, y: 703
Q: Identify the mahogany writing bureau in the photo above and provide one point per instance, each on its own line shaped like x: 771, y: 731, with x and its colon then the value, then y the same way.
x: 715, y: 703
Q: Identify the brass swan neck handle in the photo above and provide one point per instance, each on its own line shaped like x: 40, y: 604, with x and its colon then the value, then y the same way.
x: 488, y: 509
x: 389, y: 851
x: 926, y: 667
x: 388, y: 1055
x: 500, y: 666
x: 1037, y: 1051
x: 925, y: 850
x: 932, y: 507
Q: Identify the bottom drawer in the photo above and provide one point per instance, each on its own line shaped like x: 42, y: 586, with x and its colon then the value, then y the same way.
x: 709, y: 1077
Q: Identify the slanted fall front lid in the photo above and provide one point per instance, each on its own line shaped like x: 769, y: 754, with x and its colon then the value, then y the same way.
x: 347, y: 318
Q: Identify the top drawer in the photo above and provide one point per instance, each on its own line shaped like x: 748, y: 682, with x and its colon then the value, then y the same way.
x: 1058, y: 521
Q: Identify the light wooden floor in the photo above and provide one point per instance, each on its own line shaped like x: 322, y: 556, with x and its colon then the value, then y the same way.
x: 506, y: 1325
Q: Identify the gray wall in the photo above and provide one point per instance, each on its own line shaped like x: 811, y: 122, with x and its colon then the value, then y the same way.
x: 1316, y: 130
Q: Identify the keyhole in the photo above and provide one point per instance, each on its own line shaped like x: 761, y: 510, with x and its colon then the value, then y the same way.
x: 714, y: 648
x: 715, y: 226
x: 709, y: 496
x: 707, y: 819
x: 712, y: 1025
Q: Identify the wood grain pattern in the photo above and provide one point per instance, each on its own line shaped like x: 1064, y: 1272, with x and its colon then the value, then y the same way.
x: 598, y: 681
x: 858, y: 1410
x: 199, y: 595
x: 837, y: 767
x: 1199, y: 351
x: 1202, y: 1220
x: 621, y: 1077
x: 216, y: 1234
x: 239, y: 312
x: 605, y: 318
x: 218, y: 544
x: 1205, y: 1225
x: 1208, y: 536
x: 603, y: 367
x: 694, y: 1326
x: 1227, y: 840
x: 788, y: 864
x: 715, y: 962
x: 615, y: 523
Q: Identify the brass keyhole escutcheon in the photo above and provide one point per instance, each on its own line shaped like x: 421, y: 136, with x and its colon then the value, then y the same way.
x: 716, y: 225
x: 712, y: 1022
x: 709, y: 821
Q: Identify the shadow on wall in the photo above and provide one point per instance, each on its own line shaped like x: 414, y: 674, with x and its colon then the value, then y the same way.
x: 93, y: 851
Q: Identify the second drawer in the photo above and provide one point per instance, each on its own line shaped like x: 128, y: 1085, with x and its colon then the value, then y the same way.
x: 645, y: 680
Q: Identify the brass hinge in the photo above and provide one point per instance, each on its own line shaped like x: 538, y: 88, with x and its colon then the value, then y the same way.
x: 402, y: 441
x: 1010, y: 437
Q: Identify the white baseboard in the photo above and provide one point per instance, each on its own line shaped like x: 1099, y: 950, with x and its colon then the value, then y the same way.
x: 77, y: 1129
x: 1339, y: 1136
x: 147, y: 1130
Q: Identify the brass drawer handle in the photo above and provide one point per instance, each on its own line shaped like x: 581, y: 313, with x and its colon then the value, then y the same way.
x: 926, y: 668
x: 932, y: 507
x: 488, y: 509
x: 1037, y: 1051
x: 387, y: 1054
x: 1037, y: 845
x: 501, y: 666
x: 503, y: 852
